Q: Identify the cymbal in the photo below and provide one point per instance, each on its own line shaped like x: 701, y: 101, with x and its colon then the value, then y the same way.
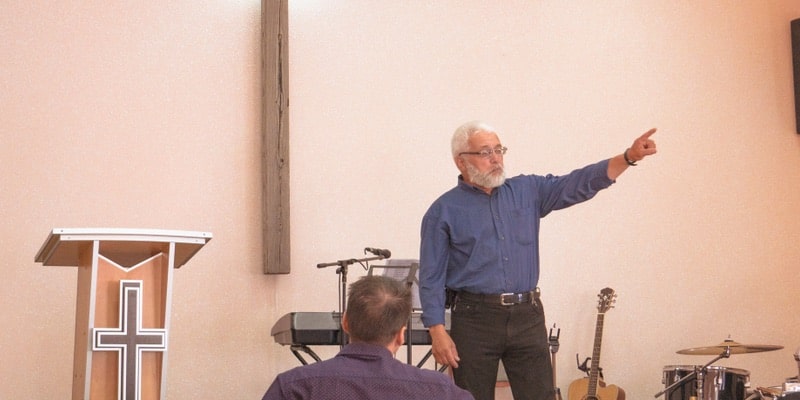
x: 736, y: 348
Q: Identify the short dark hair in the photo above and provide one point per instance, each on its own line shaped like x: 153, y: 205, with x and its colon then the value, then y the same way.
x: 377, y: 308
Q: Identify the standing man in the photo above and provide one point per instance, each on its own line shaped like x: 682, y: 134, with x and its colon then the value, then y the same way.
x: 378, y: 310
x: 479, y: 255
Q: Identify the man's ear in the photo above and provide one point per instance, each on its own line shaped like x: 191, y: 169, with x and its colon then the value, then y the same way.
x: 460, y: 164
x: 345, y: 324
x: 400, y: 337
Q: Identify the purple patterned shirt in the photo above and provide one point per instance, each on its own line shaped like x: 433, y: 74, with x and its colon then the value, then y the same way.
x: 363, y: 371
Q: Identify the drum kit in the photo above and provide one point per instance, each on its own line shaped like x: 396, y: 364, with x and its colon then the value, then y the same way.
x: 706, y: 382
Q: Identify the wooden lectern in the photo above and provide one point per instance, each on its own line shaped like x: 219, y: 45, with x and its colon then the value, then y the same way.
x: 123, y: 305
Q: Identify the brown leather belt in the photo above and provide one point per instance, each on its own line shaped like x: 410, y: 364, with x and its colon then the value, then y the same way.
x: 505, y: 299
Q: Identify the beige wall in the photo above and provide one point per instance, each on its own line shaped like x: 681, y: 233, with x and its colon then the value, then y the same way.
x: 147, y: 115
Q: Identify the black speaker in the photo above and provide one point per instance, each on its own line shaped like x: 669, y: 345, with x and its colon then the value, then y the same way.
x: 796, y: 60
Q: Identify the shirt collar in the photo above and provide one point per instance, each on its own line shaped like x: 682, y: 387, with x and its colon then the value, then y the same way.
x: 359, y: 349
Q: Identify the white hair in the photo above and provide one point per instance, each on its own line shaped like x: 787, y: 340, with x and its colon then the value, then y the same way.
x: 462, y: 134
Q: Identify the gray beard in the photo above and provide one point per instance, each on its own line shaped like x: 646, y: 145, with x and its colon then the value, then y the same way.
x: 486, y: 180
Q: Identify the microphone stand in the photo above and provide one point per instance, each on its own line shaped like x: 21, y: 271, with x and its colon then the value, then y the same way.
x: 342, y: 272
x: 412, y: 276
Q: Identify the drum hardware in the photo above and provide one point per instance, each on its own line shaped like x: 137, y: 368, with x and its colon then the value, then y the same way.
x: 789, y: 390
x: 773, y: 393
x: 722, y: 350
x: 699, y: 374
x: 763, y: 392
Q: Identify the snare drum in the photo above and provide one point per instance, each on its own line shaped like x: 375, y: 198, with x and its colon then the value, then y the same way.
x: 719, y: 383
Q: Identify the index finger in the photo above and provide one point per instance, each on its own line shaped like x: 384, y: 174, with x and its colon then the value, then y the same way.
x: 647, y: 134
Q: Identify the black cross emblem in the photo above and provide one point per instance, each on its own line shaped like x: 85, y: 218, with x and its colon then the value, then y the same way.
x: 129, y: 340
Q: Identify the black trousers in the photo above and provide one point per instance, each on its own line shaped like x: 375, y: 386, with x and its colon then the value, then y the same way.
x: 486, y: 333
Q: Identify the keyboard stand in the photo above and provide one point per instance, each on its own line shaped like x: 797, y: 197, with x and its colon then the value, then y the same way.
x: 297, y: 348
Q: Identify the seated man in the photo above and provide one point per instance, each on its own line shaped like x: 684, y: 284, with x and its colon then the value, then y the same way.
x: 378, y: 309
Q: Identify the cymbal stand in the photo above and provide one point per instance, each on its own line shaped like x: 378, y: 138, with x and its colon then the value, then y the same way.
x: 699, y: 373
x: 342, y: 272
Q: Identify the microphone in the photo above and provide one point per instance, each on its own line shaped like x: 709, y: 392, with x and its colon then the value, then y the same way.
x: 379, y: 252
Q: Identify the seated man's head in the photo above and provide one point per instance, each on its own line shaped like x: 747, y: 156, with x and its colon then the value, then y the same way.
x: 378, y: 309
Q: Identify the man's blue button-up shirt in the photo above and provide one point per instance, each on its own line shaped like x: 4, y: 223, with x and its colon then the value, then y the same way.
x: 489, y: 244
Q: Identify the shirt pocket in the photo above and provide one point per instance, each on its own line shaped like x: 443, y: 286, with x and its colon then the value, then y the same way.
x: 522, y: 225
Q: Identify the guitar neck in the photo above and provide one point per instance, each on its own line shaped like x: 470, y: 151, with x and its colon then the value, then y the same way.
x: 594, y: 372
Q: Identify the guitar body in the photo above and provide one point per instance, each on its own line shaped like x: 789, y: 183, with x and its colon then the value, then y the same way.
x: 579, y: 390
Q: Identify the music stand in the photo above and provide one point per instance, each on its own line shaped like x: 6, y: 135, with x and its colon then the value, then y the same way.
x: 404, y: 271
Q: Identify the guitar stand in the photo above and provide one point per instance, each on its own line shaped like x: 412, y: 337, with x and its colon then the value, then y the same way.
x: 699, y: 373
x: 553, y: 343
x: 585, y: 368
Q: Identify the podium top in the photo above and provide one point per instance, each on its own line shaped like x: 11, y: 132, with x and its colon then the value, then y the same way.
x: 62, y: 246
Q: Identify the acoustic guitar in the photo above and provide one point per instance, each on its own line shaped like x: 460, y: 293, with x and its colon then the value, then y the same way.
x: 593, y: 388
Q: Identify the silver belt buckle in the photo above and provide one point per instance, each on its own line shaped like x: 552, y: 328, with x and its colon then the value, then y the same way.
x: 503, y: 299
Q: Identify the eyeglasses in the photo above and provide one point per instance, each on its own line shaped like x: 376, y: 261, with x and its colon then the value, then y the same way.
x: 486, y: 153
